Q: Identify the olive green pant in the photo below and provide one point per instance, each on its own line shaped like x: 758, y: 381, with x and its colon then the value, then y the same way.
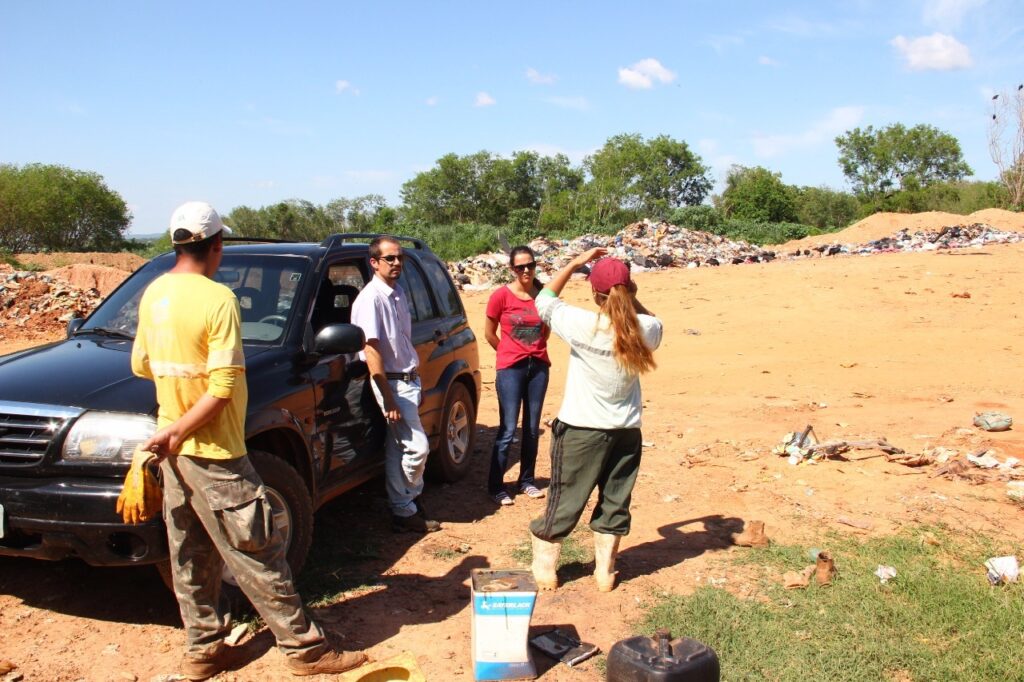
x: 217, y: 514
x: 582, y: 459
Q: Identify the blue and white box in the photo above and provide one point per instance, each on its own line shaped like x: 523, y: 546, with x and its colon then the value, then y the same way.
x: 503, y: 603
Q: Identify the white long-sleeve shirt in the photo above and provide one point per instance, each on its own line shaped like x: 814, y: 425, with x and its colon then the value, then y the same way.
x: 599, y: 393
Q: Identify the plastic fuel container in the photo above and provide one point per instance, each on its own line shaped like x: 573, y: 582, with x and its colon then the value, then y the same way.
x: 662, y: 659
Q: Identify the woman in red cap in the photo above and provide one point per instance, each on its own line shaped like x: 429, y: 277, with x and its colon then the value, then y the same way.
x: 596, y: 440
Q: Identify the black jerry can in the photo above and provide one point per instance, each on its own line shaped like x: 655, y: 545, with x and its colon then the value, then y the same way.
x: 662, y: 659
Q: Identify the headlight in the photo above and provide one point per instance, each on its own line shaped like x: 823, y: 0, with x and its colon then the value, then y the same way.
x: 107, y: 436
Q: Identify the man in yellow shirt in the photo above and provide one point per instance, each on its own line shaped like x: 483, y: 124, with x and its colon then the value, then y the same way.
x: 189, y: 343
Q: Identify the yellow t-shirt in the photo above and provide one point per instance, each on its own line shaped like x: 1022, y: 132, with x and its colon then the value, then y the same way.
x: 189, y: 342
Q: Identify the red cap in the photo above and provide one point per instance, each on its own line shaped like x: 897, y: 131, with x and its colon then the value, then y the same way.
x: 606, y: 273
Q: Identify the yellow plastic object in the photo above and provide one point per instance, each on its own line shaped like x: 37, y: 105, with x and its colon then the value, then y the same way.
x: 400, y: 668
x: 140, y: 497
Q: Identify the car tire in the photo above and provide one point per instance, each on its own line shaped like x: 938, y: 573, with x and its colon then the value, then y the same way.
x: 293, y: 515
x: 454, y: 454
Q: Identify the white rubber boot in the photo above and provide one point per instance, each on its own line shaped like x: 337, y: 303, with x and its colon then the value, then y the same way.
x: 606, y: 548
x: 545, y: 562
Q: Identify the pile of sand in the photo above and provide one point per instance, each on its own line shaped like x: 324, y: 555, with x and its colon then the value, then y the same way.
x: 882, y: 225
x: 129, y: 262
x: 85, y: 276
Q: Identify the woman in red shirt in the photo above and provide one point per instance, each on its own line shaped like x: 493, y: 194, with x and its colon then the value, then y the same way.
x: 522, y: 373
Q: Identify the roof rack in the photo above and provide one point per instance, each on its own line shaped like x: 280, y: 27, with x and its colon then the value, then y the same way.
x: 342, y: 237
x: 260, y: 240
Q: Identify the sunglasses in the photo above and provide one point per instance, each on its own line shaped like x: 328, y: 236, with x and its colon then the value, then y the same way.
x: 393, y: 258
x: 524, y: 267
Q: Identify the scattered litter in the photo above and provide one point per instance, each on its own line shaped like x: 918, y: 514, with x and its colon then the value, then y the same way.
x: 236, y: 634
x: 863, y: 524
x: 647, y: 443
x: 942, y: 454
x: 692, y: 332
x: 792, y: 580
x: 993, y: 421
x: 825, y: 569
x: 963, y: 295
x: 1002, y: 570
x: 885, y: 573
x: 985, y: 460
x: 670, y: 498
x: 1015, y: 490
x: 945, y: 398
x: 804, y: 448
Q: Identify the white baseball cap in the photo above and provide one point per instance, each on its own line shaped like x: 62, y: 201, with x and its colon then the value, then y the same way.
x: 200, y: 219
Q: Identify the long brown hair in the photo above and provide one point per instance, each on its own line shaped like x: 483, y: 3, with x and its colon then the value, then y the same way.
x: 630, y: 350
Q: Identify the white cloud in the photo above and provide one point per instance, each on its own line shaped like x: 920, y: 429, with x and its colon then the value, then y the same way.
x: 577, y: 103
x: 538, y: 78
x: 838, y: 121
x: 432, y: 101
x: 947, y: 14
x: 937, y: 52
x: 641, y: 76
x: 341, y: 86
x: 766, y: 61
x: 484, y: 100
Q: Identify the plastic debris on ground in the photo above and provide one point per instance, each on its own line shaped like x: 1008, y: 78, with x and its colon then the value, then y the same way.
x: 1002, y: 570
x: 993, y: 421
x: 885, y: 573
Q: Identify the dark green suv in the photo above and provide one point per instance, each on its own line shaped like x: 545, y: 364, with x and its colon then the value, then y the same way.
x: 71, y: 412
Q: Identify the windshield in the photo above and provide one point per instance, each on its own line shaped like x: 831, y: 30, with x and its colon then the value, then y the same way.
x: 265, y: 287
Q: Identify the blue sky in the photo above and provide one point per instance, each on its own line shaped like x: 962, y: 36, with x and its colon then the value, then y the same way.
x: 254, y: 102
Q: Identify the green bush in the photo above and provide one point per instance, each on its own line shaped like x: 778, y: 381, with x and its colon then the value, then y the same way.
x: 764, y: 233
x: 703, y: 218
x: 826, y: 208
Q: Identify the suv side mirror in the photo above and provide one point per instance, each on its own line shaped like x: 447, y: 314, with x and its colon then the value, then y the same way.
x: 74, y: 324
x: 339, y: 339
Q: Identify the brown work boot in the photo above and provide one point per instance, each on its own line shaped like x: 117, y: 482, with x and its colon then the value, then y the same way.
x: 205, y: 665
x: 825, y: 569
x: 330, y: 662
x: 752, y: 535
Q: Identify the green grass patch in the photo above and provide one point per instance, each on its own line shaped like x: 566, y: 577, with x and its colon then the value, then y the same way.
x: 937, y: 620
x: 577, y: 550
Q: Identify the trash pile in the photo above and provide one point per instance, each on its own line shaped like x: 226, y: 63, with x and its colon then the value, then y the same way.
x: 646, y: 245
x: 39, y: 305
x: 949, y: 237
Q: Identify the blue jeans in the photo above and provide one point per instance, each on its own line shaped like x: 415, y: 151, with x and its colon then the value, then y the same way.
x: 523, y: 384
x: 406, y: 450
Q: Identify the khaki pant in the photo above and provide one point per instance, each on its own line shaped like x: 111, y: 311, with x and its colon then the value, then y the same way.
x: 582, y: 459
x: 216, y: 512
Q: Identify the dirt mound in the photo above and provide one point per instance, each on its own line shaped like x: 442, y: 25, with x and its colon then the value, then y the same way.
x: 129, y: 262
x: 37, y: 306
x: 83, y: 276
x: 882, y: 225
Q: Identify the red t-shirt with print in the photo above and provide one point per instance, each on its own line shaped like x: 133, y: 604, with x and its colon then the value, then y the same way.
x: 523, y: 335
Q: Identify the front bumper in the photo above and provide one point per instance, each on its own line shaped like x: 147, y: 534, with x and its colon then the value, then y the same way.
x: 53, y: 518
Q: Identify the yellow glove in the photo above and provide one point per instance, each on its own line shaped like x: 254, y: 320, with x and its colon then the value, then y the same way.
x: 141, y: 497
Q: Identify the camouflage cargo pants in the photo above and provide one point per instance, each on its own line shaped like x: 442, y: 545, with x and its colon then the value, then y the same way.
x: 217, y: 514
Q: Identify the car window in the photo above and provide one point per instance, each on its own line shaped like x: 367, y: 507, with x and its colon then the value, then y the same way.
x: 265, y: 287
x: 444, y: 290
x: 421, y: 306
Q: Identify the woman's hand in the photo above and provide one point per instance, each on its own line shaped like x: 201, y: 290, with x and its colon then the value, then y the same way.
x: 592, y: 254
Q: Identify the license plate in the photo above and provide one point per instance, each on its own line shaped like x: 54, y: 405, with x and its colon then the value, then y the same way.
x: 3, y: 526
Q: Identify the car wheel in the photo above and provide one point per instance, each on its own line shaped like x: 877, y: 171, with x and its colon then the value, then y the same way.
x: 293, y: 517
x: 454, y: 453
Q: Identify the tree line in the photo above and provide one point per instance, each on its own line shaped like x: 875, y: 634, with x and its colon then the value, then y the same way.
x: 469, y: 203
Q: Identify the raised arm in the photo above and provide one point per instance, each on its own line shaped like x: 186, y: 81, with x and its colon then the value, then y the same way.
x: 561, y: 277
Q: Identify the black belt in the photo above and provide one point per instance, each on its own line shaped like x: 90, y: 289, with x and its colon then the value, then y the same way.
x: 401, y: 376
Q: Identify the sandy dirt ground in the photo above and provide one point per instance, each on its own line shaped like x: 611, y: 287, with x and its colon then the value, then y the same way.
x: 856, y: 346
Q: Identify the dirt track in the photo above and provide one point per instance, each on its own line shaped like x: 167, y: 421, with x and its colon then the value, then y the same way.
x: 857, y: 347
